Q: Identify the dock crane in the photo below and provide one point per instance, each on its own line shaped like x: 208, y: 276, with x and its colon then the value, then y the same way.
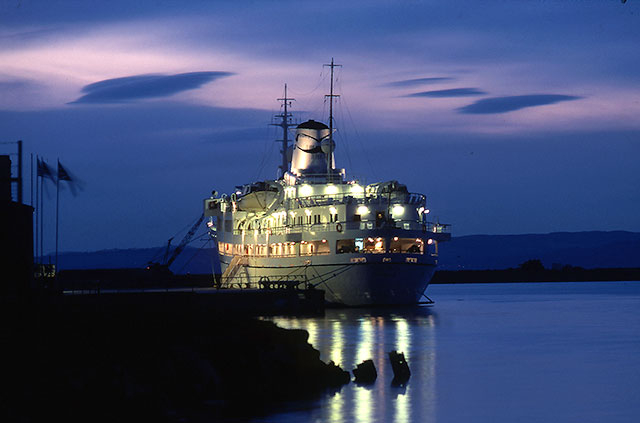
x: 163, y: 268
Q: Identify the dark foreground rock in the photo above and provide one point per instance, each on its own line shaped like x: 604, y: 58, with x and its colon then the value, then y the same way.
x: 160, y: 366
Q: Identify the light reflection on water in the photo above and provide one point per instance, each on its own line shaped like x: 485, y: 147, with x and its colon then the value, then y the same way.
x: 348, y: 337
x: 362, y: 413
x: 336, y: 408
x: 335, y: 353
x: 527, y: 352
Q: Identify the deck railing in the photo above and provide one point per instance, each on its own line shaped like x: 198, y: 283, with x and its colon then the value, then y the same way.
x: 243, y: 281
x: 409, y: 225
x: 412, y: 198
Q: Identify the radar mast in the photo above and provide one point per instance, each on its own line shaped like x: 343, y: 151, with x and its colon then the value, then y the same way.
x: 331, y: 95
x: 285, y: 123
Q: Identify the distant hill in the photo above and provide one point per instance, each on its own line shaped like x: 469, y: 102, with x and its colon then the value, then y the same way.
x: 478, y: 252
x: 585, y: 249
x: 191, y: 260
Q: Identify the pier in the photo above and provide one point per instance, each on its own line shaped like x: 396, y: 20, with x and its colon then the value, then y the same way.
x: 197, y: 301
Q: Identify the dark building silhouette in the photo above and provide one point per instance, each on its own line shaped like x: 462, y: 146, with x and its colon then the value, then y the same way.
x: 16, y: 235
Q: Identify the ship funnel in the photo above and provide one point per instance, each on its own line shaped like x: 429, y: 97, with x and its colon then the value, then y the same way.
x: 311, y: 148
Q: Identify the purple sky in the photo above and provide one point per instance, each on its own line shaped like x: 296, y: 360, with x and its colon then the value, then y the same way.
x: 512, y: 116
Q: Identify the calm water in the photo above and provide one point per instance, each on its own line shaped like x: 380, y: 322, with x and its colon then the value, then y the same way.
x: 549, y: 352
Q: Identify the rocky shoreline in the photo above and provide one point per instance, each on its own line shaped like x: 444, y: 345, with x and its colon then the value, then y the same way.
x: 136, y: 365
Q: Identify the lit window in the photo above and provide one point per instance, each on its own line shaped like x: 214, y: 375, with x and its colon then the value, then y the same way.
x: 374, y: 245
x: 406, y: 245
x: 308, y: 248
x: 345, y: 246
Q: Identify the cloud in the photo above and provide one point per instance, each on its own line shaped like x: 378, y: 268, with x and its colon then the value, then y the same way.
x: 418, y: 81
x: 15, y: 89
x: 511, y: 103
x: 16, y: 84
x: 453, y: 92
x: 136, y: 87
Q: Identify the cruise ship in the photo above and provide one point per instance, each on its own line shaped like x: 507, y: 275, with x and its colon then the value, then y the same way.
x: 363, y: 244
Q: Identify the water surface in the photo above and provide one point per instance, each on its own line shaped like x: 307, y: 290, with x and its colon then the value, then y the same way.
x: 526, y: 352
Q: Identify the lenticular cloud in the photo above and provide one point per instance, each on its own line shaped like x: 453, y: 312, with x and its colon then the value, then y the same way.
x: 138, y: 87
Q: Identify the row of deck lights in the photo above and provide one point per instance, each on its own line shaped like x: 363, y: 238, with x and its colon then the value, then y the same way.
x: 397, y: 210
x: 378, y: 242
x: 307, y: 190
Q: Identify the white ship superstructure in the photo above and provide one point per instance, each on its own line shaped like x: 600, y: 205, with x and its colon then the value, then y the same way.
x: 362, y: 244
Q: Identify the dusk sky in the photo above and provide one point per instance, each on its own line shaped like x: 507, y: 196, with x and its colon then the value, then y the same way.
x: 511, y: 116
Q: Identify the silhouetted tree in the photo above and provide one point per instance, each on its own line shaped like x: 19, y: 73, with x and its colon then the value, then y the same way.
x: 533, y: 265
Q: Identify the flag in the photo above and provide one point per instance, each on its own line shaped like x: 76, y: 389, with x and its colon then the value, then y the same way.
x: 63, y: 175
x: 44, y: 170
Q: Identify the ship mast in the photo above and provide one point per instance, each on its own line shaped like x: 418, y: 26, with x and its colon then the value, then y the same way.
x: 331, y: 95
x: 285, y: 123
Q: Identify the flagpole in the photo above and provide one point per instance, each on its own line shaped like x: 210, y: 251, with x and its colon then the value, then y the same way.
x: 57, y: 208
x: 42, y: 219
x: 31, y: 174
x: 37, y: 212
